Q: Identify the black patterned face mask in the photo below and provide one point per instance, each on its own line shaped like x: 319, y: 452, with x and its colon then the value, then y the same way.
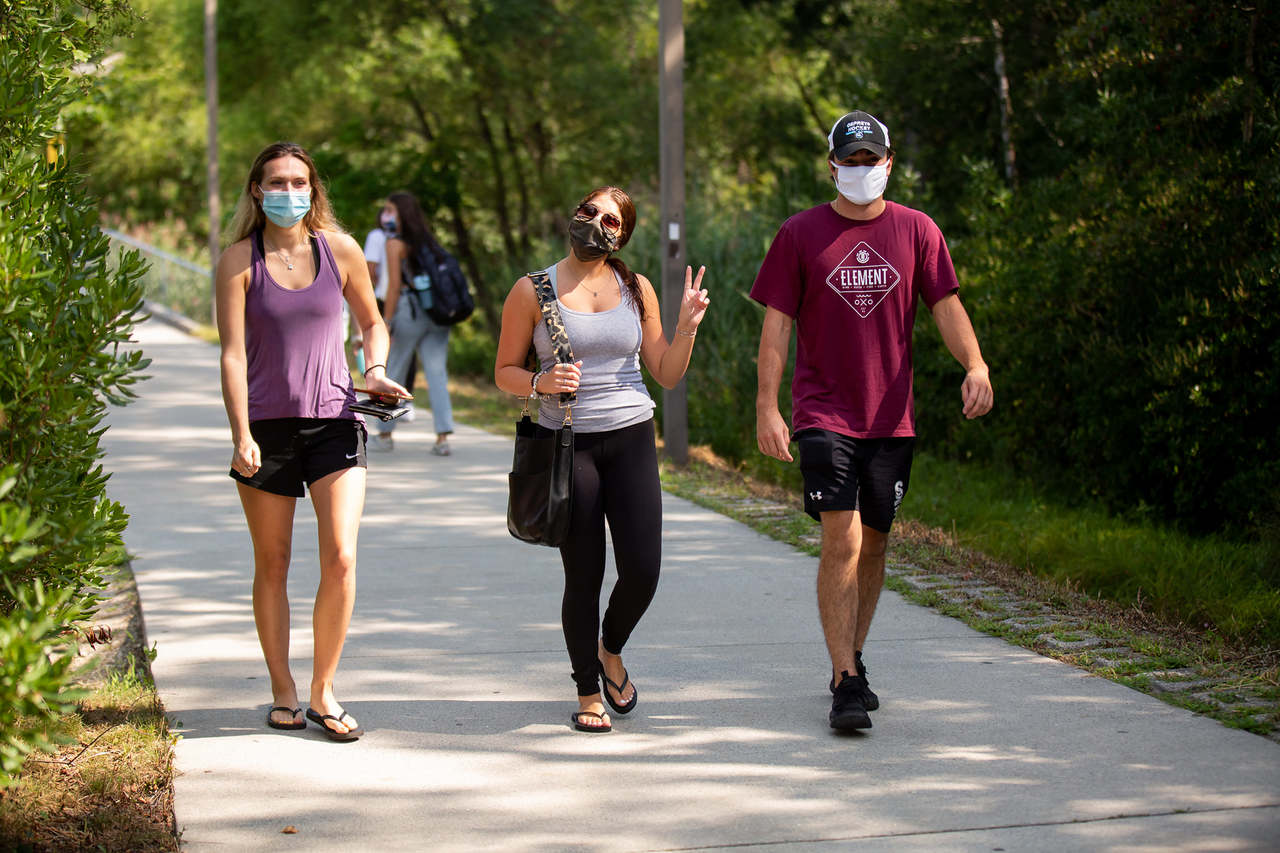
x: 590, y: 241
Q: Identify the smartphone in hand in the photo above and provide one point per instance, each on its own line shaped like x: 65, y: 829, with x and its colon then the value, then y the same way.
x: 395, y: 395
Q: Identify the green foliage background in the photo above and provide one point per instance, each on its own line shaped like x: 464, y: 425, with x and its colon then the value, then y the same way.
x: 1117, y: 252
x: 64, y: 311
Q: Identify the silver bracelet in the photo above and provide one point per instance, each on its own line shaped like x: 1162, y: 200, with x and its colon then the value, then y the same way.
x: 683, y: 333
x: 533, y: 383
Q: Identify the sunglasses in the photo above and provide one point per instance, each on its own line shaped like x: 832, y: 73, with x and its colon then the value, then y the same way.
x: 589, y: 211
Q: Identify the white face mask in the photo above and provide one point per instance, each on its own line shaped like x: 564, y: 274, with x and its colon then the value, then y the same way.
x: 862, y: 184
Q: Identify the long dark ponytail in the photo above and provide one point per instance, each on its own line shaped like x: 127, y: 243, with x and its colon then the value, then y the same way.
x: 628, y: 210
x: 412, y: 228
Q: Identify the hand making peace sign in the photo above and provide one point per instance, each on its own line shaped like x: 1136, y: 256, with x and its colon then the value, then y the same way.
x: 693, y: 306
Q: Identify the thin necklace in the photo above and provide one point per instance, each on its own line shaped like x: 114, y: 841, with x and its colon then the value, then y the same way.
x: 594, y: 293
x: 288, y: 260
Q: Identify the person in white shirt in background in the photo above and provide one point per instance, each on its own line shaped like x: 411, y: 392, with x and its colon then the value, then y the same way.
x: 375, y: 255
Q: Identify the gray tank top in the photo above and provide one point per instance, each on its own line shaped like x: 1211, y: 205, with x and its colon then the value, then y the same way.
x: 612, y: 393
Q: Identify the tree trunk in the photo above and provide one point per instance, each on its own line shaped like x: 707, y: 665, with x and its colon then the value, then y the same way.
x: 1006, y: 106
x: 500, y: 205
x: 516, y: 152
x: 415, y: 104
x: 485, y: 298
x: 541, y: 147
x: 818, y: 120
x: 1251, y: 85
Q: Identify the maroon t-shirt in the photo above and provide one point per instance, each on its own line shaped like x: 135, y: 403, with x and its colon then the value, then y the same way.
x: 851, y: 287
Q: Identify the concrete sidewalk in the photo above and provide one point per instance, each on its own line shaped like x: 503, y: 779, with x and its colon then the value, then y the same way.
x: 456, y: 667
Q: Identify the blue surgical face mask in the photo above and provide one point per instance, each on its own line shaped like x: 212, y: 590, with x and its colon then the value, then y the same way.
x: 287, y: 207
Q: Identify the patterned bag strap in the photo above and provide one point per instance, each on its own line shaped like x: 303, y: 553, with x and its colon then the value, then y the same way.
x: 546, y: 292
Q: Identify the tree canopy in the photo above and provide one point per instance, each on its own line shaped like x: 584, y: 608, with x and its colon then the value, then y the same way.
x: 1105, y: 172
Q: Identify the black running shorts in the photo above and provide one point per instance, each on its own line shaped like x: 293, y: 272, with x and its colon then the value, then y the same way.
x: 869, y: 475
x: 302, y: 450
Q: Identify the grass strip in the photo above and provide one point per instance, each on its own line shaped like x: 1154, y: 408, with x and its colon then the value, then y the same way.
x: 110, y: 785
x: 1220, y: 585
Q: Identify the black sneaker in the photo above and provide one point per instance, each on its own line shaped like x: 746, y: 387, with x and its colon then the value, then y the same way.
x: 847, y: 710
x: 870, y: 701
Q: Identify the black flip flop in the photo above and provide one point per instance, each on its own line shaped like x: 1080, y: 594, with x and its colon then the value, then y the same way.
x: 583, y: 727
x: 291, y: 725
x: 334, y: 734
x: 626, y: 679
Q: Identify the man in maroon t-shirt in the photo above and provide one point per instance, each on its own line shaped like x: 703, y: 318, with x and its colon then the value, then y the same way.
x: 847, y: 274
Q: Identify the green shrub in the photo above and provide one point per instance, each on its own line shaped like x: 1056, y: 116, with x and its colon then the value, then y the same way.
x: 33, y: 673
x: 1132, y: 325
x: 65, y: 311
x: 1129, y: 299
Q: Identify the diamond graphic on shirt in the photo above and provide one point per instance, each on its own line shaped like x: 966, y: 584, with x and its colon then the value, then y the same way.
x: 863, y: 279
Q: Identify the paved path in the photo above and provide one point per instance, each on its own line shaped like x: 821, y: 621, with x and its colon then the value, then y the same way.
x: 456, y: 667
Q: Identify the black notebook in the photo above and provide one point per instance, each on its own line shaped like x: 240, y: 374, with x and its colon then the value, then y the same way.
x: 384, y: 408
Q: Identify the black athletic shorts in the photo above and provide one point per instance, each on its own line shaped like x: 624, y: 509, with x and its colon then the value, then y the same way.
x: 302, y: 450
x: 869, y: 475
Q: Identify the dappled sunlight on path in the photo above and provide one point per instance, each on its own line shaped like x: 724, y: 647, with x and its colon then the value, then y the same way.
x: 456, y: 668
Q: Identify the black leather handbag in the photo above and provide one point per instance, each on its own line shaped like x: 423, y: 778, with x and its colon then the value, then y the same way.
x: 540, y: 496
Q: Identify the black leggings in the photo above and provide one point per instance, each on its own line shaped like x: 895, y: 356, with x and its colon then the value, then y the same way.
x: 615, y: 476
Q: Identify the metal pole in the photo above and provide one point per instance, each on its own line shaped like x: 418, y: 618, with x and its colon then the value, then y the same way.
x: 675, y: 402
x: 211, y: 107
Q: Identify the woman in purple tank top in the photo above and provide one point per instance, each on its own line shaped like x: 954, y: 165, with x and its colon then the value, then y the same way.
x: 288, y: 394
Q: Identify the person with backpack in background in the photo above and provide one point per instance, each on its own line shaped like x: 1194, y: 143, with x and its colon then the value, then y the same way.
x: 375, y: 255
x: 421, y: 273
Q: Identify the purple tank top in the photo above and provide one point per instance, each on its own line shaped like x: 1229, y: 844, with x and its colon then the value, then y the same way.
x: 294, y: 344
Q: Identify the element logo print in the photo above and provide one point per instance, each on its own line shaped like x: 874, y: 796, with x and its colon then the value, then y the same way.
x: 863, y: 279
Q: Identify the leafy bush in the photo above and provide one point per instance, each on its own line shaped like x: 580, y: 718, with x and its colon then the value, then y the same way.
x: 64, y: 312
x: 33, y: 674
x: 1130, y: 304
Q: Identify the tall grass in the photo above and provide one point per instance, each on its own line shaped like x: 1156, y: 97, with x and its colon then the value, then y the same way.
x: 1209, y: 582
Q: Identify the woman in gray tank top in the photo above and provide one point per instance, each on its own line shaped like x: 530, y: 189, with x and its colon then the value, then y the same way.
x: 612, y: 320
x: 288, y: 395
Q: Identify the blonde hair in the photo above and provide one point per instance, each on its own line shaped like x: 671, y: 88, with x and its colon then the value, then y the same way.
x: 249, y: 216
